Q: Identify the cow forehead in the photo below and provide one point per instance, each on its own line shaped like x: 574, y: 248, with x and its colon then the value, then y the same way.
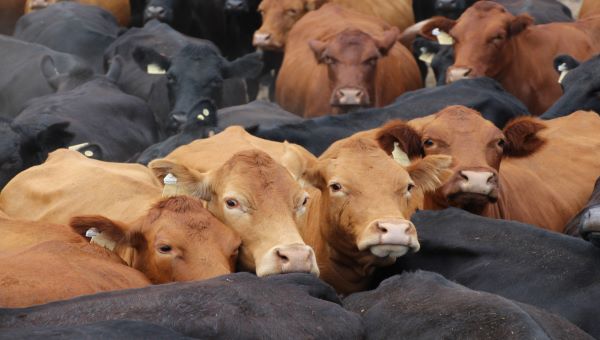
x: 474, y: 21
x: 352, y: 44
x: 281, y: 4
x: 458, y: 120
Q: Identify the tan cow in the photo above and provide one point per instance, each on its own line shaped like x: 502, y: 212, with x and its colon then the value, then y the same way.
x: 279, y: 16
x: 589, y: 8
x: 537, y: 172
x: 348, y: 60
x: 119, y: 8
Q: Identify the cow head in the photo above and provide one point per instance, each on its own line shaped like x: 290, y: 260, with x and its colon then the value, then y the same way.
x: 351, y: 58
x: 482, y: 38
x: 581, y: 88
x: 367, y: 199
x: 476, y: 146
x: 260, y: 200
x: 195, y: 73
x: 23, y: 146
x: 161, y: 10
x: 178, y: 240
x: 202, y: 116
x: 278, y: 17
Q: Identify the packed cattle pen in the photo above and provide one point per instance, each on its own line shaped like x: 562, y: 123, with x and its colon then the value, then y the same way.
x: 300, y: 169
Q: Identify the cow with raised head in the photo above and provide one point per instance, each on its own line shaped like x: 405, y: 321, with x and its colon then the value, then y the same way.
x: 490, y: 41
x: 505, y: 173
x: 348, y: 60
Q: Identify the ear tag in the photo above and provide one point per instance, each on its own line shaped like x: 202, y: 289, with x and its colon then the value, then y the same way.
x: 200, y: 117
x: 400, y: 156
x: 443, y: 38
x: 562, y: 68
x: 211, y: 133
x: 77, y: 147
x: 425, y: 56
x: 92, y: 232
x: 170, y: 189
x: 88, y: 153
x: 155, y: 69
x: 97, y: 238
x: 206, y: 112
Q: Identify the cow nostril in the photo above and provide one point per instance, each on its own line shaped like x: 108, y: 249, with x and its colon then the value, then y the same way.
x: 381, y: 228
x: 282, y: 257
x: 465, y: 177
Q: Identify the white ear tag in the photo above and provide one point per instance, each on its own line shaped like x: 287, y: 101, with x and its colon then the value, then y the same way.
x: 426, y: 57
x: 78, y: 146
x: 155, y: 69
x: 200, y: 117
x: 400, y: 156
x: 443, y: 38
x: 170, y: 188
x: 562, y: 68
x: 88, y: 153
x: 92, y: 232
x: 206, y: 112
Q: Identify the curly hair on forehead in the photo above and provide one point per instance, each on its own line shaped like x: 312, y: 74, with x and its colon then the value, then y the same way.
x: 184, y: 205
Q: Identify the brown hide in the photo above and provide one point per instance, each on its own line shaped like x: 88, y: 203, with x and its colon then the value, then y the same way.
x: 42, y: 262
x: 589, y: 8
x: 322, y: 37
x: 279, y: 16
x: 246, y: 187
x: 537, y: 172
x: 10, y: 12
x: 119, y: 8
x: 359, y: 215
x: 489, y: 41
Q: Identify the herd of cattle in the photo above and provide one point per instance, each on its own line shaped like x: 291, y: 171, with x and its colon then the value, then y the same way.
x: 146, y: 142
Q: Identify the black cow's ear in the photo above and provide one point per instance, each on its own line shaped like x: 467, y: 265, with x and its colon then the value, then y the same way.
x: 150, y: 61
x: 49, y: 71
x: 248, y: 66
x: 421, y: 45
x: 408, y: 139
x: 114, y: 70
x: 566, y: 60
x: 53, y: 137
x: 91, y: 150
x: 519, y: 24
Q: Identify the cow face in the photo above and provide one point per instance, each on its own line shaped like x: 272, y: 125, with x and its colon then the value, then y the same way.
x: 260, y: 200
x: 178, y: 240
x: 482, y: 38
x: 367, y: 199
x: 476, y: 147
x: 195, y: 73
x: 202, y: 117
x: 278, y: 18
x: 351, y: 58
x: 161, y: 10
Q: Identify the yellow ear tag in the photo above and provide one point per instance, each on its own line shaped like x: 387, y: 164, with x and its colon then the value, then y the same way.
x: 155, y: 69
x: 443, y: 38
x: 426, y: 57
x: 88, y: 153
x: 206, y: 112
x: 562, y: 68
x: 200, y: 117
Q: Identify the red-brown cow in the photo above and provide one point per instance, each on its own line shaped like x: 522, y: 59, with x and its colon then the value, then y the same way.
x: 489, y: 41
x: 347, y: 60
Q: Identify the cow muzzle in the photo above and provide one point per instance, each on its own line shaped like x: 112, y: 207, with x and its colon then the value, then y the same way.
x: 389, y: 238
x: 292, y: 258
x: 472, y: 189
x: 445, y: 5
x: 236, y: 6
x: 155, y: 12
x: 265, y: 41
x: 590, y: 226
x: 457, y: 73
x: 350, y: 96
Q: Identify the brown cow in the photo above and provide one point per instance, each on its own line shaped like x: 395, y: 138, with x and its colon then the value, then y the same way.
x: 119, y: 8
x: 279, y: 16
x: 537, y: 172
x: 10, y: 12
x: 589, y: 8
x: 359, y: 215
x: 489, y: 41
x: 347, y: 60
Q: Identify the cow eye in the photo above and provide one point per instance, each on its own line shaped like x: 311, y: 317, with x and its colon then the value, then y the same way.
x: 165, y: 249
x: 291, y: 12
x: 501, y: 143
x: 409, y: 187
x: 328, y: 60
x: 428, y: 143
x: 372, y: 61
x: 232, y: 203
x: 335, y: 187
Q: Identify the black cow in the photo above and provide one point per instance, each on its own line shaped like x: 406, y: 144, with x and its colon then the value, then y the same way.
x: 99, y: 113
x: 116, y: 329
x: 425, y: 9
x: 482, y: 94
x: 290, y: 306
x: 587, y: 222
x: 581, y: 87
x: 189, y: 70
x: 81, y: 30
x: 27, y: 73
x: 205, y: 121
x: 425, y: 305
x: 556, y: 272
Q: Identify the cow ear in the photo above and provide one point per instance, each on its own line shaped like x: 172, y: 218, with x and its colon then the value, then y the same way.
x: 113, y: 230
x: 387, y: 42
x: 49, y: 71
x: 294, y: 161
x: 53, y: 137
x: 114, y: 71
x: 192, y: 182
x: 313, y: 5
x: 569, y: 63
x: 397, y: 131
x: 318, y: 47
x: 314, y: 176
x: 442, y: 23
x: 248, y: 66
x: 521, y: 137
x: 519, y: 24
x: 150, y: 61
x: 431, y: 172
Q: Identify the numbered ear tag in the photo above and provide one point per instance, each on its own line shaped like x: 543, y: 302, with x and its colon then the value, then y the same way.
x: 562, y: 68
x: 426, y: 57
x: 155, y: 69
x: 443, y: 38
